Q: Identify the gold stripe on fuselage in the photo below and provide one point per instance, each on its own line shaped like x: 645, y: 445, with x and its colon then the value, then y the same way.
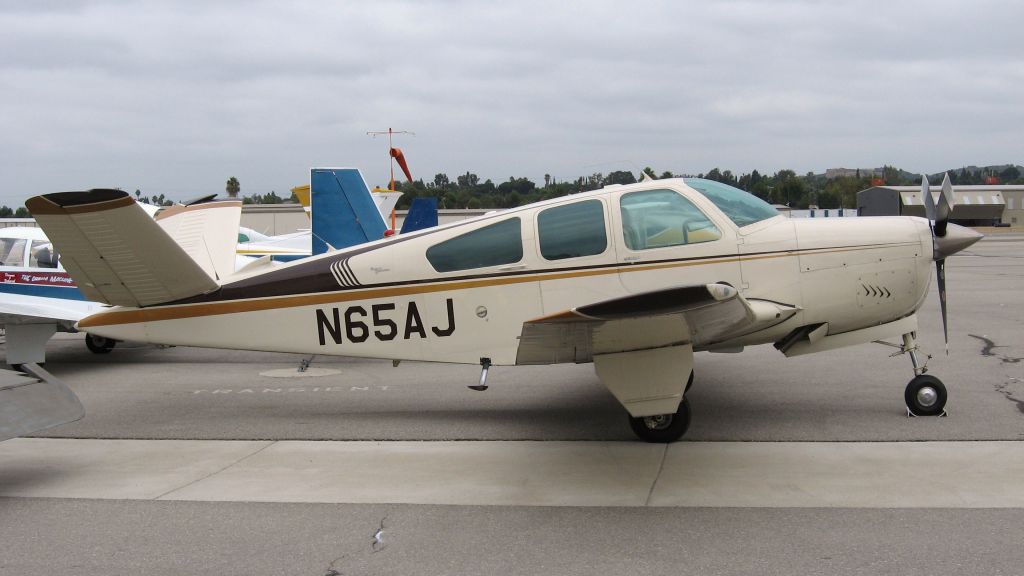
x: 180, y: 311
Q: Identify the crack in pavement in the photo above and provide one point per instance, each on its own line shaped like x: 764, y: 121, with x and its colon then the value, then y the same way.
x: 990, y: 345
x: 1005, y: 391
x: 1003, y: 388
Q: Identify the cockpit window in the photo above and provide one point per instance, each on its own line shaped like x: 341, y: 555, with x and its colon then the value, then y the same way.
x: 12, y: 251
x: 743, y: 208
x: 494, y: 245
x: 661, y: 218
x: 572, y: 230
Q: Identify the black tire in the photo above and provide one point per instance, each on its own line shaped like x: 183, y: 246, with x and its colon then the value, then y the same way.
x: 925, y: 396
x: 665, y: 428
x: 688, y: 383
x: 99, y: 344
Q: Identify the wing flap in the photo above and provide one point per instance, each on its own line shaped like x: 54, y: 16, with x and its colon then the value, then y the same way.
x: 115, y: 251
x: 695, y: 315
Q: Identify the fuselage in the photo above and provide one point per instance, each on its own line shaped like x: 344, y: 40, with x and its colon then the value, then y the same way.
x: 462, y: 292
x: 34, y: 288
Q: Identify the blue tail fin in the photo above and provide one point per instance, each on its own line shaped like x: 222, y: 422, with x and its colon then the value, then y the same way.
x: 422, y: 214
x: 343, y: 212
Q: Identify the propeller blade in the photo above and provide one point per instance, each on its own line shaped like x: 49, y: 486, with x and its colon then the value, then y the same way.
x: 940, y: 269
x: 929, y: 202
x: 944, y: 208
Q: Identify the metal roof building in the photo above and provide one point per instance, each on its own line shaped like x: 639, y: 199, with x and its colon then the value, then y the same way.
x: 974, y: 205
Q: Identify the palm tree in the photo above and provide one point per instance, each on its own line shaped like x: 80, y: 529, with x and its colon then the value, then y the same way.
x: 233, y: 187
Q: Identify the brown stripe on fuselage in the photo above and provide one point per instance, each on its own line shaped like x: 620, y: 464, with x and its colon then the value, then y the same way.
x: 234, y: 306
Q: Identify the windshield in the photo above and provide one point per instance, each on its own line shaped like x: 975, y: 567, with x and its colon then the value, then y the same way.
x: 743, y: 208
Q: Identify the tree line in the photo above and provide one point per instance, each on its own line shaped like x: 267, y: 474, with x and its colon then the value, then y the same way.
x: 784, y: 187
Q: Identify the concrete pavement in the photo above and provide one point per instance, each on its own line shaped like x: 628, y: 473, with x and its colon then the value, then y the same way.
x: 630, y: 474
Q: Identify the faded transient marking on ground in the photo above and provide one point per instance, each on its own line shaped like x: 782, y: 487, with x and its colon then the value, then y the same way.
x: 291, y: 390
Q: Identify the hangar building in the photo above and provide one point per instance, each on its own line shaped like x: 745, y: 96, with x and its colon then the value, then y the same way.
x: 974, y: 205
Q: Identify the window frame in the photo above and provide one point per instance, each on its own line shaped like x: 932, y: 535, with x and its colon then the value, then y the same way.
x: 608, y: 237
x: 708, y: 216
x: 464, y: 234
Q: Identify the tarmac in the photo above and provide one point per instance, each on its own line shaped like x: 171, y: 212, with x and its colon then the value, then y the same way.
x: 197, y: 461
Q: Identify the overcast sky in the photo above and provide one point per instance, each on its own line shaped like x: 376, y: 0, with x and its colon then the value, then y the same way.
x: 174, y: 97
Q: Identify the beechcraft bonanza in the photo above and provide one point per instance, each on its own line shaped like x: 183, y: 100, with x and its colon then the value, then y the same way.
x: 632, y: 278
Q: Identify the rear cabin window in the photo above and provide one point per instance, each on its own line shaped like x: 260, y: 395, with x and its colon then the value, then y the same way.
x: 572, y: 231
x: 494, y: 245
x: 661, y: 218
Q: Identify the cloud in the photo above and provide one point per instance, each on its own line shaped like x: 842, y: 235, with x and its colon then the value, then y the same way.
x: 175, y: 97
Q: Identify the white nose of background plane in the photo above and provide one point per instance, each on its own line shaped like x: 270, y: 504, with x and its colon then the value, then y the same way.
x: 956, y: 239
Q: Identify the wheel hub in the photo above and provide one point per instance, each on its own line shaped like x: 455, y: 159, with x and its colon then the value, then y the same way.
x: 927, y: 396
x: 659, y: 422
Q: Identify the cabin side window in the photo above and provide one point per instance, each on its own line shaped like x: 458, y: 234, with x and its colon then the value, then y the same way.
x: 41, y: 255
x: 661, y: 218
x: 12, y: 251
x: 572, y: 231
x: 494, y: 245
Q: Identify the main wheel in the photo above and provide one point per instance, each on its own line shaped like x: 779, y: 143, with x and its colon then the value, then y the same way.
x: 99, y: 344
x: 663, y: 427
x: 925, y: 396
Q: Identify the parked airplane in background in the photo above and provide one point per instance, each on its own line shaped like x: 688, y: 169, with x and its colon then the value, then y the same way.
x: 632, y: 278
x: 343, y: 212
x: 295, y: 245
x: 38, y: 297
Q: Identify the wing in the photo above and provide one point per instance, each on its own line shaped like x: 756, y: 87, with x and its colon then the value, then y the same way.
x: 39, y: 311
x: 697, y: 315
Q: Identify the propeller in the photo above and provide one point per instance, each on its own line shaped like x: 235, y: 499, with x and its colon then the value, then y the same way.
x: 947, y: 239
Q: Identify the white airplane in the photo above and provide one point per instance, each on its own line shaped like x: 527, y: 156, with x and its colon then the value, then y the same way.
x: 38, y: 297
x: 632, y: 278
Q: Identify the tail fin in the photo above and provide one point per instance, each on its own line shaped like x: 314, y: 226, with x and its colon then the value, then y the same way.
x: 422, y: 214
x: 343, y: 212
x: 206, y: 231
x: 115, y: 252
x: 302, y: 193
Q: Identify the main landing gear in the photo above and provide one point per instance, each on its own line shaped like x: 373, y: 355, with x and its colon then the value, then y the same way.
x: 925, y: 394
x: 663, y: 428
x: 99, y: 344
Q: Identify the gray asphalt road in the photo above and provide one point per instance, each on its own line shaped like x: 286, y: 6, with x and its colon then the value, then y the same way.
x: 86, y: 537
x: 849, y: 394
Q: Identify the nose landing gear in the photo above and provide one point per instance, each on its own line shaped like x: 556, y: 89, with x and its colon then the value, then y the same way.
x: 925, y: 395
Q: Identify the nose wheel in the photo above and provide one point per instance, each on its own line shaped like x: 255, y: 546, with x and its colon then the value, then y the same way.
x: 925, y: 396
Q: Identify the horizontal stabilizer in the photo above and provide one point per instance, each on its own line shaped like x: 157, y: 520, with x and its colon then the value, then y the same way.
x: 115, y: 252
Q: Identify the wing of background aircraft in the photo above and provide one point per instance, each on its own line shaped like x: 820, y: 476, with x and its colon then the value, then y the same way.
x: 34, y: 401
